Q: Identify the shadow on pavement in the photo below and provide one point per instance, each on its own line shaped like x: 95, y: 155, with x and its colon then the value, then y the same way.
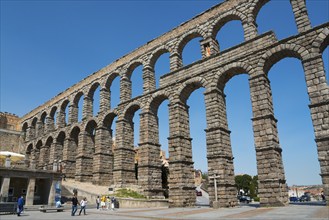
x: 316, y: 203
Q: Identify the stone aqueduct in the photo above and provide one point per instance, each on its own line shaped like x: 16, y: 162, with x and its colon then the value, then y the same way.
x: 83, y: 145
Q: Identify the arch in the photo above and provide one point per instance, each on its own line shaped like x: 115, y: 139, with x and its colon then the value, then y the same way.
x: 321, y: 41
x: 53, y: 116
x: 132, y: 66
x: 279, y: 52
x: 111, y: 90
x: 110, y: 79
x: 90, y: 126
x: 189, y: 86
x: 188, y: 37
x: 24, y: 130
x: 45, y: 152
x: 156, y: 54
x: 266, y: 10
x: 133, y: 80
x: 43, y: 117
x: 70, y: 152
x: 77, y: 97
x: 64, y: 104
x: 75, y: 132
x: 222, y: 20
x: 34, y: 122
x: 36, y: 155
x: 24, y: 127
x: 64, y: 113
x: 29, y: 149
x: 130, y: 110
x: 49, y: 141
x: 108, y: 119
x: 229, y: 71
x: 61, y: 137
x: 156, y: 101
x: 256, y: 7
x: 95, y: 98
x: 53, y: 112
x: 291, y: 101
x: 92, y: 89
x: 78, y: 110
x: 28, y: 155
x: 235, y: 88
x: 38, y: 145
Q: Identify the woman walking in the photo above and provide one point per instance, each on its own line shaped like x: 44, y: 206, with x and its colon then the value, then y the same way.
x: 83, y: 204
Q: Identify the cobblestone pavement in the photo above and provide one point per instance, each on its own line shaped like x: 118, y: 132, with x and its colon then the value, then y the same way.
x: 290, y: 212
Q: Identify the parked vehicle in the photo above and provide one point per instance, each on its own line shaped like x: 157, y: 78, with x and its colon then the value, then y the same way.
x: 305, y: 198
x: 244, y: 199
x: 293, y: 199
x: 198, y: 193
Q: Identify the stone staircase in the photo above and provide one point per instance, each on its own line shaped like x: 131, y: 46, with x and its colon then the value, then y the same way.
x: 66, y: 194
x: 91, y: 192
x: 85, y: 189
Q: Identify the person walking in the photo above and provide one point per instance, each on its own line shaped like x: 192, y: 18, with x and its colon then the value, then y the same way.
x: 74, y: 205
x: 107, y: 202
x: 323, y: 196
x: 58, y: 204
x: 83, y: 204
x: 103, y: 202
x: 97, y: 202
x: 113, y: 201
x: 20, y: 205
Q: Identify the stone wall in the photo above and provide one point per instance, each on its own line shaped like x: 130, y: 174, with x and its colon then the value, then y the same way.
x: 9, y: 121
x: 10, y: 135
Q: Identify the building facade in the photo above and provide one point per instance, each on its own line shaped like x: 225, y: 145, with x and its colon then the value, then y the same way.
x: 38, y: 187
x: 10, y: 133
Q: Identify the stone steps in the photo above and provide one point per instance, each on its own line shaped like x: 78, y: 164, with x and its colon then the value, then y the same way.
x: 85, y: 189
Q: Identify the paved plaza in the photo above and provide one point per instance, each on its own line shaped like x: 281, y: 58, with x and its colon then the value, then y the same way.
x: 289, y: 212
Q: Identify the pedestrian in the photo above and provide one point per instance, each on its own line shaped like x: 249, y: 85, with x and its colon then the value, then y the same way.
x: 107, y: 202
x: 58, y: 204
x: 97, y: 202
x: 83, y: 204
x: 323, y: 196
x: 103, y: 202
x: 20, y: 205
x: 74, y: 205
x: 113, y: 201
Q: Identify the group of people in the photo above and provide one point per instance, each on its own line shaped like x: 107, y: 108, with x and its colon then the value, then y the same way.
x: 75, y: 203
x: 105, y: 203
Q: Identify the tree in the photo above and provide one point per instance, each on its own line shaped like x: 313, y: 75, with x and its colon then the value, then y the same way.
x: 205, y: 181
x: 254, y: 187
x: 205, y: 175
x: 243, y: 182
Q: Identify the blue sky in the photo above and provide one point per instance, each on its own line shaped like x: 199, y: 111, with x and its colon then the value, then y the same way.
x: 47, y: 46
